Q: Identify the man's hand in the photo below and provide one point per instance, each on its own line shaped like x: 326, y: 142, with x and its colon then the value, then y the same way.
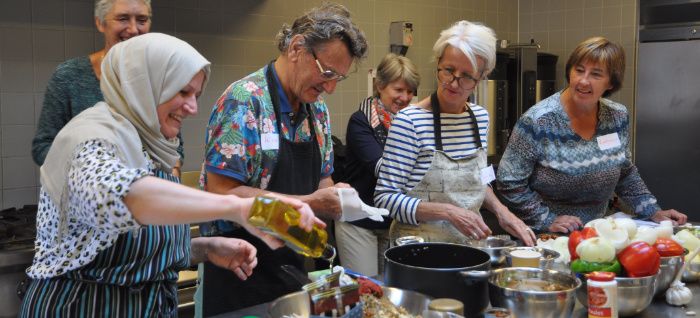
x: 234, y: 254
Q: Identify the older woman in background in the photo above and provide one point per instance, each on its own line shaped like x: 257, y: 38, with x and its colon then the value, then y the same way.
x: 361, y: 243
x: 75, y: 85
x: 112, y: 227
x: 570, y: 152
x: 436, y: 150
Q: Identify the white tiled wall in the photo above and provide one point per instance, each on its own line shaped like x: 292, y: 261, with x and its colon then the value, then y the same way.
x: 237, y: 36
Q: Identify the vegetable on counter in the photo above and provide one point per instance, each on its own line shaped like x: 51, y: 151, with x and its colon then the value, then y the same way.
x: 640, y: 259
x: 678, y: 294
x: 577, y: 237
x: 668, y: 247
x: 596, y: 249
x: 584, y: 267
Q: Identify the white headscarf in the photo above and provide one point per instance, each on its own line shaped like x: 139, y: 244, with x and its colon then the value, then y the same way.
x: 137, y: 75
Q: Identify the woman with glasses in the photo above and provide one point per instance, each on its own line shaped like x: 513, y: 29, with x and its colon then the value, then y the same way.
x: 435, y: 156
x: 570, y: 152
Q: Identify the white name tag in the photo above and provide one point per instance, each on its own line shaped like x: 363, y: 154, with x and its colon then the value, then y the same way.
x: 487, y: 175
x: 608, y: 141
x: 270, y: 141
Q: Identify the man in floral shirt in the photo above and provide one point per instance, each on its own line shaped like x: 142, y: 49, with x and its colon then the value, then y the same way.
x: 270, y: 132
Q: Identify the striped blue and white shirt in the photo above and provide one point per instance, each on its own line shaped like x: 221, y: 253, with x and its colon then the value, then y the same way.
x: 409, y: 152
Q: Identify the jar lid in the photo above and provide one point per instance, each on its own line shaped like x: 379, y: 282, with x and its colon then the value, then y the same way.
x: 447, y: 305
x: 601, y: 276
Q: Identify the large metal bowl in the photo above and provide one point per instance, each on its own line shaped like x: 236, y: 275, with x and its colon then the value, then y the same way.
x: 523, y: 303
x: 492, y: 246
x: 667, y: 273
x: 633, y: 294
x: 546, y: 261
x: 298, y: 302
x: 692, y: 273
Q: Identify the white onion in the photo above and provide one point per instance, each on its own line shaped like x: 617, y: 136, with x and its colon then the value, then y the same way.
x: 664, y: 231
x: 617, y: 236
x: 561, y: 245
x: 646, y: 234
x: 629, y: 225
x: 596, y: 249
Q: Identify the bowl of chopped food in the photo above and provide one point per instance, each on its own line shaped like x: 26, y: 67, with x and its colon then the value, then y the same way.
x: 394, y: 302
x: 533, y: 292
x: 492, y: 246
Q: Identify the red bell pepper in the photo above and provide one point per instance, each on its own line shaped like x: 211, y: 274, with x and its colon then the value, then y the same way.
x: 640, y: 259
x: 668, y: 248
x: 577, y: 237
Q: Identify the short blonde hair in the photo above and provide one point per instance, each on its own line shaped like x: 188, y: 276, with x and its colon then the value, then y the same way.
x: 394, y: 67
x: 474, y: 40
x: 604, y: 52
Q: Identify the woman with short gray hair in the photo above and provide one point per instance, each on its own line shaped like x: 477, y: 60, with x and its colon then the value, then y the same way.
x: 75, y: 85
x: 434, y: 177
x: 361, y: 243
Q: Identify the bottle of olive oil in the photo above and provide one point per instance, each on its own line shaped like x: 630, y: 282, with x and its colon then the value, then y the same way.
x: 276, y: 218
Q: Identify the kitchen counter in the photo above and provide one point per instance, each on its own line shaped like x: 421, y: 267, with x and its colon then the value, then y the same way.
x: 658, y: 308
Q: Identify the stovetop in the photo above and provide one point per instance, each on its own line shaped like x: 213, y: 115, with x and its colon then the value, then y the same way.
x: 17, y: 228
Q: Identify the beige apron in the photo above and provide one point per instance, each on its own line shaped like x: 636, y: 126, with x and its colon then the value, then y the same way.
x: 456, y: 182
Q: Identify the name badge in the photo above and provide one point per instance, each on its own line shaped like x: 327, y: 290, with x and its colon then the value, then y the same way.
x: 270, y: 141
x: 608, y: 141
x: 487, y: 175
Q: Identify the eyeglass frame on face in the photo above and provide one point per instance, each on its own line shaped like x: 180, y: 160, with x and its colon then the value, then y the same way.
x: 327, y: 75
x: 455, y: 77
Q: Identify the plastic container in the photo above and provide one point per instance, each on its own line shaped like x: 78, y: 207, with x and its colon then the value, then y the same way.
x: 602, y: 295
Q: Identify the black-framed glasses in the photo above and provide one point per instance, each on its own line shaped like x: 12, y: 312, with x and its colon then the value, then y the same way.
x: 327, y: 75
x: 446, y: 77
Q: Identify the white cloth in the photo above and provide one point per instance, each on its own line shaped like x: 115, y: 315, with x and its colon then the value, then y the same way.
x: 354, y: 209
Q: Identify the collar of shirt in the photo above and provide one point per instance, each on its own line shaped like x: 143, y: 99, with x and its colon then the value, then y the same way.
x: 288, y: 115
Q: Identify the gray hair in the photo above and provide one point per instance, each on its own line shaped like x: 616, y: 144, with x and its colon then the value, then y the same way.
x: 474, y: 40
x: 102, y: 7
x: 323, y: 24
x: 394, y: 67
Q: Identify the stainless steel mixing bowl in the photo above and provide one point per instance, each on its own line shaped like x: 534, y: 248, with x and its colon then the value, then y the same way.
x: 524, y: 303
x: 492, y: 246
x: 298, y: 302
x: 667, y: 272
x: 546, y: 261
x: 633, y: 294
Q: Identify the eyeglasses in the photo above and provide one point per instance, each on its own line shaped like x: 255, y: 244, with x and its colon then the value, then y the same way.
x: 446, y: 77
x: 327, y: 75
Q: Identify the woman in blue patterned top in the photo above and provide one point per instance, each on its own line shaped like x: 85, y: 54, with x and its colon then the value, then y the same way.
x: 112, y: 227
x: 570, y: 152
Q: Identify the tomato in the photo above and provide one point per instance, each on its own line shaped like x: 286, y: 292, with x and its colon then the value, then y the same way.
x: 640, y: 259
x: 577, y: 237
x: 668, y: 248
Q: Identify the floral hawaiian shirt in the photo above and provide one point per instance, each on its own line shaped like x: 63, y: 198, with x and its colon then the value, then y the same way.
x: 233, y: 144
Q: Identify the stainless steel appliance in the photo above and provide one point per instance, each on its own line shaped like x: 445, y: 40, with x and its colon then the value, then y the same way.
x: 668, y: 102
x: 17, y: 233
x: 522, y: 78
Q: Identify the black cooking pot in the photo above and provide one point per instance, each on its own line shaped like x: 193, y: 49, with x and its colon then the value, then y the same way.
x: 438, y: 270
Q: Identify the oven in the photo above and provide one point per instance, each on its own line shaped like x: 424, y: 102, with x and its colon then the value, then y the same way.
x: 17, y: 233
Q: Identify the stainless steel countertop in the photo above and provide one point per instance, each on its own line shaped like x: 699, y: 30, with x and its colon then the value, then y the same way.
x: 658, y: 308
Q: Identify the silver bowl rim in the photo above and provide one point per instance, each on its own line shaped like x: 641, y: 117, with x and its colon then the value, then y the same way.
x: 578, y: 281
x: 547, y: 254
x: 415, y: 293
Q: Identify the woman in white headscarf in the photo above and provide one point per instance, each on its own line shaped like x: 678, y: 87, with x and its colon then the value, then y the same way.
x: 112, y: 229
